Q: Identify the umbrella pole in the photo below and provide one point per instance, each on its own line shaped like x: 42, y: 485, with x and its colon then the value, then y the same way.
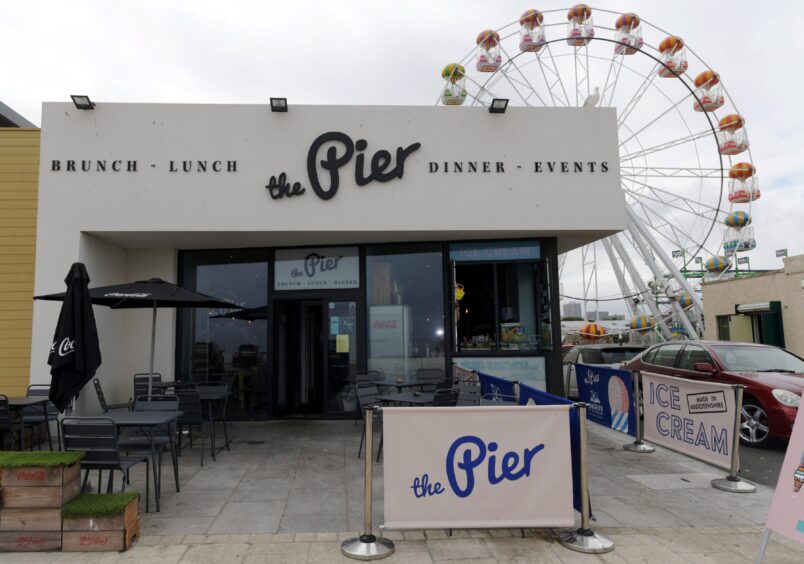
x: 153, y: 341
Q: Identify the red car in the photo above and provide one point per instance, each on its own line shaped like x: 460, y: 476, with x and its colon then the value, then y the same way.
x: 773, y: 377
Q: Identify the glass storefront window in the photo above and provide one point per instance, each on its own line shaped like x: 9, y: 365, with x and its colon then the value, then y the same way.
x: 405, y: 309
x: 226, y: 345
x: 503, y: 306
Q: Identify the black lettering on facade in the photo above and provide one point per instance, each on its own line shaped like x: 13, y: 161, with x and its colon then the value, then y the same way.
x: 100, y: 166
x: 216, y: 166
x: 201, y: 166
x: 472, y: 166
x: 116, y: 165
x: 70, y: 166
x: 131, y: 166
x: 231, y: 166
x: 55, y: 165
x: 604, y: 166
x: 577, y: 166
x: 500, y: 167
x: 486, y: 166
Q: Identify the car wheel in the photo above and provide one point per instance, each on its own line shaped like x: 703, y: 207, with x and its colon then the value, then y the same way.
x: 754, y: 429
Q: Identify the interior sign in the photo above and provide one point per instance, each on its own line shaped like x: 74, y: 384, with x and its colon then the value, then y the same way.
x: 317, y: 268
x: 337, y: 155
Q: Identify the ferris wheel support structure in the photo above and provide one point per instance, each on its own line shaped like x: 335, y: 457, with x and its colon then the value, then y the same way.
x: 641, y: 287
x: 624, y: 288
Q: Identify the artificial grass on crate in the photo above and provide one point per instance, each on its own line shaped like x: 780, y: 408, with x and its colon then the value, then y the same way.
x: 97, y: 505
x: 13, y: 459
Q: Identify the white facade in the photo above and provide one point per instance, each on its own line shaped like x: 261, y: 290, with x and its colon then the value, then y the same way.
x: 125, y: 186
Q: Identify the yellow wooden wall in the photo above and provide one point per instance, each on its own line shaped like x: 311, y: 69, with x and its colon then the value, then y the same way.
x: 19, y: 183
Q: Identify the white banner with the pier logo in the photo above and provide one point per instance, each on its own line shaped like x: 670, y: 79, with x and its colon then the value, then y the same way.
x: 477, y: 467
x: 696, y: 418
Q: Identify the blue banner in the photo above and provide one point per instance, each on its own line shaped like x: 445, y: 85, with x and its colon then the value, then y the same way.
x: 609, y: 394
x: 532, y: 396
x: 494, y: 388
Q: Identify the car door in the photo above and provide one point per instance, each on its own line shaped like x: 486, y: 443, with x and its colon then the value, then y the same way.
x: 690, y: 355
x: 664, y: 361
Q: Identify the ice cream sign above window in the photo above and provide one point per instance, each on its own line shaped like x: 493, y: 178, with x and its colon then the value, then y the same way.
x: 324, y: 268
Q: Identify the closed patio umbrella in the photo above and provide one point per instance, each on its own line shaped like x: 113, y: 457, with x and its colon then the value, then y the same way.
x: 75, y: 352
x: 152, y: 294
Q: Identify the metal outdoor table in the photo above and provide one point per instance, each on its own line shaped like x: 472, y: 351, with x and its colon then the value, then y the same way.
x: 20, y: 403
x: 149, y: 420
x: 209, y: 395
x: 423, y: 398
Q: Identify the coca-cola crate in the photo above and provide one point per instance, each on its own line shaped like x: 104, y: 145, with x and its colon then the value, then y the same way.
x: 39, y: 480
x: 105, y: 522
x: 33, y: 488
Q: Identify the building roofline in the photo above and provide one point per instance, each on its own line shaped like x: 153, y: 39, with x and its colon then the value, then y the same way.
x: 9, y: 116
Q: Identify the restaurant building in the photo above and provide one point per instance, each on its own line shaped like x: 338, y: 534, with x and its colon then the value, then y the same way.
x: 355, y: 238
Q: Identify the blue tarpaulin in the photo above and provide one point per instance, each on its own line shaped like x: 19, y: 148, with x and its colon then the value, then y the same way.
x: 530, y: 396
x: 610, y: 395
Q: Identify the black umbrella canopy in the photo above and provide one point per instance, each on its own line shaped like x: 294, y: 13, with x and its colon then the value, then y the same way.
x: 153, y: 293
x: 75, y: 353
x: 144, y: 293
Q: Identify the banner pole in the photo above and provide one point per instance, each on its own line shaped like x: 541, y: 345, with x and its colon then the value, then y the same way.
x: 585, y: 539
x: 368, y: 546
x: 638, y: 445
x: 732, y: 483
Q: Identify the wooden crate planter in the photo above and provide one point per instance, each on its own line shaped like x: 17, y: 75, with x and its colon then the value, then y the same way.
x: 33, y: 488
x: 101, y: 522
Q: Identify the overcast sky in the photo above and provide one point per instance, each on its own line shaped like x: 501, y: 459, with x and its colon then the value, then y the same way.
x: 360, y: 52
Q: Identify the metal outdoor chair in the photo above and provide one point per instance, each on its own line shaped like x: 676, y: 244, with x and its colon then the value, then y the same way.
x: 97, y: 436
x: 367, y: 397
x: 369, y: 377
x: 140, y: 442
x: 430, y: 378
x: 217, y: 411
x: 6, y: 423
x: 35, y: 416
x: 141, y: 384
x: 468, y: 394
x: 445, y: 398
x: 102, y: 399
x: 192, y: 415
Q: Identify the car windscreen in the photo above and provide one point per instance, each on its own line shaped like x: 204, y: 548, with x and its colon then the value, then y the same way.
x: 757, y: 359
x: 618, y: 355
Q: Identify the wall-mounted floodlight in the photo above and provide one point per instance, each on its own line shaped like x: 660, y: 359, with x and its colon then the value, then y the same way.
x: 279, y: 104
x: 82, y: 102
x: 498, y: 106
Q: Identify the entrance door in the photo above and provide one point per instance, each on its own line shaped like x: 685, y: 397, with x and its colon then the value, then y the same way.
x: 299, y: 358
x: 316, y: 357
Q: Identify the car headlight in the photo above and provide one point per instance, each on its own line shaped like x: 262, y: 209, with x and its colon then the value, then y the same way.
x: 786, y: 397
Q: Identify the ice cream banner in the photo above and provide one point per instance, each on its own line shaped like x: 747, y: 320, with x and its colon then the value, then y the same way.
x: 477, y: 467
x: 786, y: 514
x: 696, y: 418
x: 609, y: 394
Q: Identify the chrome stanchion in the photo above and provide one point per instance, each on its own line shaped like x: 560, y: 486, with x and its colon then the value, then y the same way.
x: 368, y: 546
x: 585, y: 539
x: 638, y: 445
x: 732, y: 483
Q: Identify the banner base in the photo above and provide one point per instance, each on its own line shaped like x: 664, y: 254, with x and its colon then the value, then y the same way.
x: 367, y: 547
x: 638, y: 447
x: 586, y: 540
x: 733, y: 484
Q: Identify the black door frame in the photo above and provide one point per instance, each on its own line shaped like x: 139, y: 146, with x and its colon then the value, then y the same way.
x: 322, y: 296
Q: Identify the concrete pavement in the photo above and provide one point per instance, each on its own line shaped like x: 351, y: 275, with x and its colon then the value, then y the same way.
x: 290, y: 491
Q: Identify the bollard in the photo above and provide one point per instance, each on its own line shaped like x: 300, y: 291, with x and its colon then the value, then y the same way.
x: 368, y: 546
x: 638, y: 445
x: 732, y: 483
x: 585, y: 539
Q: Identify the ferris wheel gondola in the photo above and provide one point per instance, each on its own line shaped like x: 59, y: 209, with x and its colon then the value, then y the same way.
x: 675, y: 151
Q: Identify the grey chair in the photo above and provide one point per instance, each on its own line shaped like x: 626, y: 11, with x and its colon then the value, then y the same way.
x: 140, y: 442
x: 102, y: 399
x: 141, y: 384
x: 216, y: 411
x: 468, y: 394
x: 7, y: 425
x: 192, y: 415
x: 367, y: 397
x: 369, y: 377
x: 35, y: 415
x: 445, y: 397
x: 430, y: 379
x: 97, y: 436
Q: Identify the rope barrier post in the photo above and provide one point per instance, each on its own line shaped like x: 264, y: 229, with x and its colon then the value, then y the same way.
x: 732, y: 483
x: 585, y: 539
x: 368, y: 546
x: 638, y: 445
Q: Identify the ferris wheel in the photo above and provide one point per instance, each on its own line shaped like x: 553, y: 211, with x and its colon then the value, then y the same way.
x: 685, y: 160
